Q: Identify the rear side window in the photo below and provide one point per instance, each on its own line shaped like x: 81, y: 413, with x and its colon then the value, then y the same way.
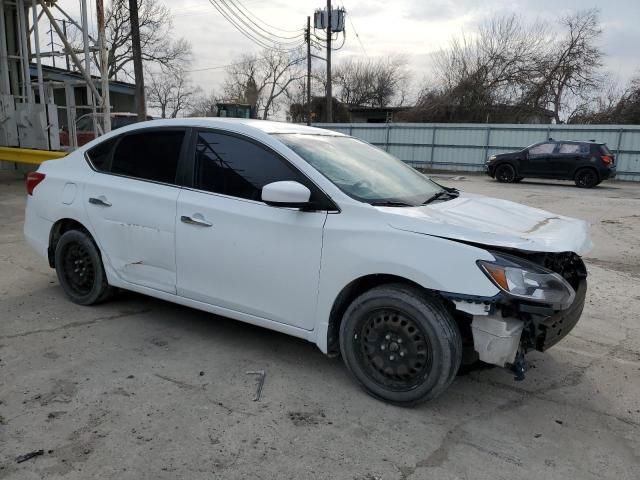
x: 566, y: 148
x: 150, y: 155
x: 100, y: 155
x: 237, y: 167
x: 604, y: 150
x: 542, y: 149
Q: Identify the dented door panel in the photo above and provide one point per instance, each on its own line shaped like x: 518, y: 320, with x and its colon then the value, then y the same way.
x: 134, y: 221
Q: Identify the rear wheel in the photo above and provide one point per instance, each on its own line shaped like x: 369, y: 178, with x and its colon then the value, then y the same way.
x: 80, y: 270
x: 400, y: 344
x: 586, y: 178
x: 505, y: 173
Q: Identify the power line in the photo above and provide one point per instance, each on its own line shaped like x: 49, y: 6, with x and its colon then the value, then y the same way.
x: 261, y: 40
x: 270, y: 36
x: 299, y: 30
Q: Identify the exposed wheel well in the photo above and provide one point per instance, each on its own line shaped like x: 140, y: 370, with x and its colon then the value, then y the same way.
x: 347, y: 295
x: 58, y: 229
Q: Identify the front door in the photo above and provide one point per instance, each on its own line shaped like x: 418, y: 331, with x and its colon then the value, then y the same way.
x: 236, y: 252
x: 131, y: 202
x: 536, y: 162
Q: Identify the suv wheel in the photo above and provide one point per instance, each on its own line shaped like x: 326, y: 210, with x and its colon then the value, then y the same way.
x: 586, y: 178
x: 80, y: 270
x: 505, y: 173
x: 400, y: 344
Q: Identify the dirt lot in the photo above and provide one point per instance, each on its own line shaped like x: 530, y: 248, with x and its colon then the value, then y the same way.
x: 142, y: 389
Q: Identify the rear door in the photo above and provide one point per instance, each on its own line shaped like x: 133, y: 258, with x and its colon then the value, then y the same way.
x: 235, y: 251
x: 131, y: 202
x: 537, y: 160
x: 564, y: 159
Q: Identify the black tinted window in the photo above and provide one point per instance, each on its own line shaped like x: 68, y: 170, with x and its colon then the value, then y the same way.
x: 100, y: 155
x: 148, y: 155
x: 237, y: 167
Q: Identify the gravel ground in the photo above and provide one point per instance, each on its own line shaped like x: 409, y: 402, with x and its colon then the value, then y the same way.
x: 142, y: 389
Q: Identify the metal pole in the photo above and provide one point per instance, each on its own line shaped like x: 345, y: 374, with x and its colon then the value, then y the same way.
x: 141, y: 106
x: 24, y: 54
x: 87, y: 64
x: 433, y: 145
x: 85, y: 72
x: 104, y: 67
x: 308, y: 70
x: 53, y: 47
x: 329, y: 92
x: 5, y: 85
x: 36, y: 40
x: 66, y: 55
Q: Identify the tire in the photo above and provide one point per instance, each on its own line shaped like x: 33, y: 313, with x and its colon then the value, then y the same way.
x: 505, y: 173
x: 586, y: 178
x: 80, y: 270
x: 417, y: 332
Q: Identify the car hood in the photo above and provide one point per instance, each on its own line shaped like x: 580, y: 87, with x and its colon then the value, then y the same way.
x: 493, y: 222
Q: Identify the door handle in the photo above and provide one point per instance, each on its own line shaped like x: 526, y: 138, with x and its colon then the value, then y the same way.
x: 201, y: 222
x: 99, y: 201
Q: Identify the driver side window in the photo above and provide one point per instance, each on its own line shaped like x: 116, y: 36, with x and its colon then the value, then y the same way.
x: 237, y: 167
x: 542, y: 149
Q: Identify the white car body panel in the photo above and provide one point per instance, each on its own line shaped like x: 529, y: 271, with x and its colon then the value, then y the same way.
x: 255, y: 259
x: 137, y: 232
x: 494, y: 222
x: 276, y: 267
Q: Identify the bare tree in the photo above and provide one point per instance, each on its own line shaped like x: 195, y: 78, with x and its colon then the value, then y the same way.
x: 375, y: 83
x: 158, y: 45
x: 571, y: 68
x: 204, y: 105
x: 525, y: 68
x: 170, y: 92
x: 264, y: 80
x: 612, y: 106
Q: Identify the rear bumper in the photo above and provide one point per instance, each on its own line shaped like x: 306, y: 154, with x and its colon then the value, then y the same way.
x: 608, y: 174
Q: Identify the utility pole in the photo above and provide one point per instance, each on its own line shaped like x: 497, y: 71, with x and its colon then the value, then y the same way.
x: 141, y: 106
x: 104, y: 68
x: 329, y: 93
x: 308, y: 71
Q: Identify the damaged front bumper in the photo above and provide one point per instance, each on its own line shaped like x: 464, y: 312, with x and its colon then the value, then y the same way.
x: 503, y: 329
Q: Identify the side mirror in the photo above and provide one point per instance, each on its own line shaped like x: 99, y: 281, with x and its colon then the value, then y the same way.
x: 286, y: 194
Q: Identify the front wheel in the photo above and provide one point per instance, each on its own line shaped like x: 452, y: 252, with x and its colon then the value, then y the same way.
x: 80, y: 270
x: 505, y: 173
x: 586, y: 178
x: 400, y: 344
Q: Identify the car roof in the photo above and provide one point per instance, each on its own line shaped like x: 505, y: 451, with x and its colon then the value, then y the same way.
x: 239, y: 125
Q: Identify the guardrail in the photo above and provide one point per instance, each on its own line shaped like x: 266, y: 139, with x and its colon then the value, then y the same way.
x: 27, y: 155
x: 464, y: 147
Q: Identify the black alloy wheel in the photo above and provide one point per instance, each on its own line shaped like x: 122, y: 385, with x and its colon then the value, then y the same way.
x: 505, y: 173
x: 586, y: 178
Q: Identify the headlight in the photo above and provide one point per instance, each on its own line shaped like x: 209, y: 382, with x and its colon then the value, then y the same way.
x: 492, y: 157
x: 522, y: 279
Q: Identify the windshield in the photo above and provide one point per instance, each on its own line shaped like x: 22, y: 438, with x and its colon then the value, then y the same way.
x: 363, y: 171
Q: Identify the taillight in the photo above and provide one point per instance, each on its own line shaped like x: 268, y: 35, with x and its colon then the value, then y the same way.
x: 607, y: 159
x: 33, y: 179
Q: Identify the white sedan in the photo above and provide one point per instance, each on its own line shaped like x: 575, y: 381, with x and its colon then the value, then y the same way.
x: 314, y: 234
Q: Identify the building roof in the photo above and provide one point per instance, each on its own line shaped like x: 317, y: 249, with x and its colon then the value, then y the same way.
x: 63, y: 75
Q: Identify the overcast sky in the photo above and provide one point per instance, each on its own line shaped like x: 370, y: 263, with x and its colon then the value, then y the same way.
x: 415, y: 28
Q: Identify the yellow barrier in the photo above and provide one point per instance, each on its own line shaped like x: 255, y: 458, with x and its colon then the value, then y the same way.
x: 27, y: 155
